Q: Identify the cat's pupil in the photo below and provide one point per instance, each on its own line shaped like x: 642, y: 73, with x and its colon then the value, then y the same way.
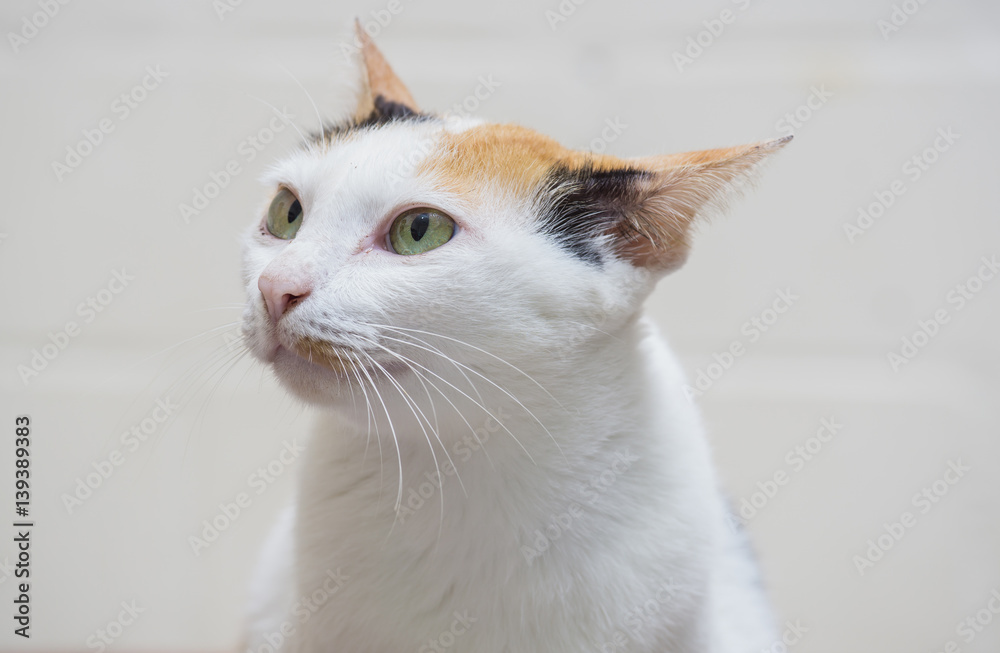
x: 419, y: 226
x: 294, y: 212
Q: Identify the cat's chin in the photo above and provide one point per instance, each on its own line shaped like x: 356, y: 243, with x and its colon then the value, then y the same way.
x: 326, y: 380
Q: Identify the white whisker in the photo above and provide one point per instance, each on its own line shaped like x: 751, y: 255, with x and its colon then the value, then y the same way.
x: 411, y: 364
x: 465, y: 344
x: 414, y: 408
x: 483, y: 407
x: 399, y: 454
x: 319, y: 117
x: 378, y: 438
x: 437, y: 435
x: 284, y: 119
x: 494, y: 384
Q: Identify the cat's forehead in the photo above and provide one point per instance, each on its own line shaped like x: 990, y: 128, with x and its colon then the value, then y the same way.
x: 385, y: 157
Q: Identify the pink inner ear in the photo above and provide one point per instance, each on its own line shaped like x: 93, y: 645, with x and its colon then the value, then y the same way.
x: 683, y: 188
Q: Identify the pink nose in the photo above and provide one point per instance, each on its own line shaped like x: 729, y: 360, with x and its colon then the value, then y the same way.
x: 282, y: 290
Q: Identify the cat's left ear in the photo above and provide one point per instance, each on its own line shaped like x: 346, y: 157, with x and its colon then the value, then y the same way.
x: 383, y: 95
x: 649, y: 206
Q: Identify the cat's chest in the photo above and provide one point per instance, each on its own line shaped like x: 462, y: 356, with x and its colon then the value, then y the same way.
x: 491, y: 593
x: 491, y: 570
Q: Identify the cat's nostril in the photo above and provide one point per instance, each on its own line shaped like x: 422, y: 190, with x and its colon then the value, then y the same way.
x: 282, y: 293
x: 290, y: 300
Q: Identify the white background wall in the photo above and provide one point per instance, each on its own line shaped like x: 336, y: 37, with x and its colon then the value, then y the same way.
x: 824, y: 358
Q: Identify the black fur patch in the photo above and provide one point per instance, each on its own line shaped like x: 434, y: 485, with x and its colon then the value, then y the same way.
x: 579, y: 205
x: 384, y: 113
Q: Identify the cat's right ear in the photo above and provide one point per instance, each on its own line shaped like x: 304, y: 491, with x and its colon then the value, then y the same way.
x: 383, y: 95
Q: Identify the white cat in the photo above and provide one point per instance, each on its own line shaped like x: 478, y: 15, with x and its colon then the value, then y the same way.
x: 504, y: 459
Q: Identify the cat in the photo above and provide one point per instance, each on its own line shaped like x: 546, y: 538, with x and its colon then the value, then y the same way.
x: 504, y: 458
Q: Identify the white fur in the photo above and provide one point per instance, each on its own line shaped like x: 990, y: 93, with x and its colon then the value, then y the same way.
x: 596, y: 436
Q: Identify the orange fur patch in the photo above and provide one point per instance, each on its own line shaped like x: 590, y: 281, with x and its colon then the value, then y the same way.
x: 511, y: 157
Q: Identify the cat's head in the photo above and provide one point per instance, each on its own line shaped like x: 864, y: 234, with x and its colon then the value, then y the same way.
x: 401, y: 239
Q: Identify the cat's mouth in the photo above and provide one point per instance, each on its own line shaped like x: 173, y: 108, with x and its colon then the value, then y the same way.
x: 346, y: 362
x: 325, y: 354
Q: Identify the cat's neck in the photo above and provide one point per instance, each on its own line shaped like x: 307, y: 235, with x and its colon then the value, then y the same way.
x: 533, y: 446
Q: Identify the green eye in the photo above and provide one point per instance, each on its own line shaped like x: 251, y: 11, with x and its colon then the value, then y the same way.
x: 285, y: 215
x: 420, y: 230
